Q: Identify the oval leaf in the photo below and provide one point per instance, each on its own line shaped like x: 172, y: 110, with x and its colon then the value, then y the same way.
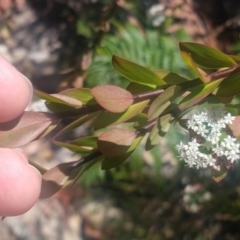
x: 112, y: 98
x: 28, y: 127
x: 206, y: 57
x: 135, y: 72
x: 115, y: 142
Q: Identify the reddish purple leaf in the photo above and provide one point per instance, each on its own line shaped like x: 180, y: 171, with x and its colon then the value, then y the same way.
x: 115, y: 142
x: 26, y: 128
x: 112, y: 98
x: 235, y: 127
x: 55, y: 178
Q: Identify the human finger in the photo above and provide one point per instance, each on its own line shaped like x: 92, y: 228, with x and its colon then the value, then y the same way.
x: 15, y: 91
x: 20, y: 183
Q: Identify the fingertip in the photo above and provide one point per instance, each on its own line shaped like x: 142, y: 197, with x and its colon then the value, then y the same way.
x: 15, y: 92
x: 20, y: 184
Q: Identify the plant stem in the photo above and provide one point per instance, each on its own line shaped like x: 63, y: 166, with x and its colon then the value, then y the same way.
x: 148, y: 94
x: 223, y: 73
x: 148, y: 127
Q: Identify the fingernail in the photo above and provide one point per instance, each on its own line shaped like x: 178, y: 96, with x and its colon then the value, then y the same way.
x: 30, y: 87
x: 39, y: 174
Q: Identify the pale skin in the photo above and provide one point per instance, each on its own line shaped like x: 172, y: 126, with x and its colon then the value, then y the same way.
x: 20, y: 183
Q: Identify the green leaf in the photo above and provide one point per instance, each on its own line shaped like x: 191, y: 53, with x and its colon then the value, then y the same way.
x: 108, y: 119
x: 198, y: 94
x: 170, y: 78
x: 26, y: 128
x: 190, y: 63
x: 206, y: 57
x: 58, y: 107
x: 230, y: 86
x: 89, y: 141
x: 135, y: 88
x: 235, y: 58
x: 67, y: 100
x: 74, y: 147
x: 81, y: 94
x: 112, y: 162
x: 58, y: 98
x: 191, y: 84
x: 163, y: 101
x: 139, y: 120
x: 135, y: 72
x: 79, y: 145
x: 112, y: 98
x: 159, y: 130
x: 115, y: 142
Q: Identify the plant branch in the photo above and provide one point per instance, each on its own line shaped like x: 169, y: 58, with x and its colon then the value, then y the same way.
x: 148, y: 94
x: 148, y: 127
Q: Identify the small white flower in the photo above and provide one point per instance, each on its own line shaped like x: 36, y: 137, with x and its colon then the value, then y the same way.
x: 218, y: 150
x: 211, y: 126
x: 191, y: 124
x: 213, y: 138
x: 193, y: 145
x: 229, y: 118
x: 228, y: 142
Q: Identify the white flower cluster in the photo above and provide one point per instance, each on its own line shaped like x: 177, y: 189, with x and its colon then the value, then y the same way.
x: 210, y: 141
